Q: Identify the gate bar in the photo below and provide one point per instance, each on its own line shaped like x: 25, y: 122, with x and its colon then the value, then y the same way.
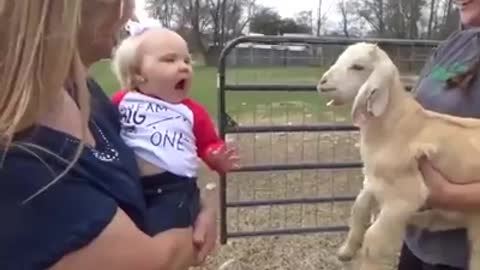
x: 291, y: 201
x: 299, y: 166
x: 275, y: 87
x: 324, y: 229
x: 291, y: 128
x: 270, y: 87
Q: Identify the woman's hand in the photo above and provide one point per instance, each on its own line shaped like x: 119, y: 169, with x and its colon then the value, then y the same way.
x: 439, y: 187
x: 444, y: 193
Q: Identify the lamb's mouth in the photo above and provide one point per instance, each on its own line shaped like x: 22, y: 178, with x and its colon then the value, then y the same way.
x: 334, y: 102
x: 328, y: 89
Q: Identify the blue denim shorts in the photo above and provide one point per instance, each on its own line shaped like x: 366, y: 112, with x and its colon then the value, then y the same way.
x: 172, y: 201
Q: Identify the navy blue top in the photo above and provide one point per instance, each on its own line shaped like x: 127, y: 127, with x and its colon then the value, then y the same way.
x: 73, y: 211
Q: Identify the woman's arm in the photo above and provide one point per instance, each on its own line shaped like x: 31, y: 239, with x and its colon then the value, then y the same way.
x: 464, y: 197
x: 445, y: 194
x: 121, y: 245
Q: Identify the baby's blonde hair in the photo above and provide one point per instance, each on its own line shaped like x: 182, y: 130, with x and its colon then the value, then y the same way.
x: 126, y: 62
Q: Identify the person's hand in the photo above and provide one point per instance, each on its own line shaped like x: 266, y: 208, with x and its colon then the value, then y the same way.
x: 224, y: 158
x: 205, y: 232
x: 438, y: 186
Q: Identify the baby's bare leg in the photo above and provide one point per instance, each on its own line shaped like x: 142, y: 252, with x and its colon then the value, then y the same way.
x: 359, y: 222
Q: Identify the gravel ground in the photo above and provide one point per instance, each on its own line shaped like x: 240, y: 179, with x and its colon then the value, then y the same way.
x: 307, y: 251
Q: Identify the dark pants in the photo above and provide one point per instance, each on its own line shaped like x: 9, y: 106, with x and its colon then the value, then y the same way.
x: 408, y: 261
x: 172, y: 202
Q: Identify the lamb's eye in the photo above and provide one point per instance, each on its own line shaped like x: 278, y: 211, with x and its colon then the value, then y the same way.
x: 357, y: 67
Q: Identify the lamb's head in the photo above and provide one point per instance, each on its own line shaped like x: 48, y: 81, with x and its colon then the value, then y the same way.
x: 342, y: 81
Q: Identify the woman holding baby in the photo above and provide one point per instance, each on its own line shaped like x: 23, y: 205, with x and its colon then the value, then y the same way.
x: 70, y: 195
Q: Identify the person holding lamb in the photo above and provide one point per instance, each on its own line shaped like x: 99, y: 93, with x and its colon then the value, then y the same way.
x: 448, y: 84
x: 166, y: 129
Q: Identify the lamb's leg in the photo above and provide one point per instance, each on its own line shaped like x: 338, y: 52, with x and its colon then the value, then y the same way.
x: 384, y: 238
x: 474, y: 239
x: 359, y: 222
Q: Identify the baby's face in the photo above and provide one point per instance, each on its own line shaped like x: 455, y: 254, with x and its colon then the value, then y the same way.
x: 166, y: 65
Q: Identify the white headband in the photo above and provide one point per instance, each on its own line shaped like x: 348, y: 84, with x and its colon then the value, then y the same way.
x: 137, y: 28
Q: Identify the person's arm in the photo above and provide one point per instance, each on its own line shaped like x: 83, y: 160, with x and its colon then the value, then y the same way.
x: 463, y: 197
x: 121, y: 245
x: 210, y: 147
x: 74, y: 223
x: 207, y: 139
x: 447, y: 195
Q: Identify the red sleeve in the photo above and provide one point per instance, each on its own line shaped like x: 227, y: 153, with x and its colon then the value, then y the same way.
x: 206, y: 135
x: 118, y: 96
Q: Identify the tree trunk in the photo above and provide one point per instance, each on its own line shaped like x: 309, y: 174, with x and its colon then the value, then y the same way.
x: 222, y: 24
x: 430, y: 19
x: 196, y: 28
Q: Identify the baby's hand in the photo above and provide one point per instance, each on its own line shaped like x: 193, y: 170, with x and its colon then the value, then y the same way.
x: 224, y: 158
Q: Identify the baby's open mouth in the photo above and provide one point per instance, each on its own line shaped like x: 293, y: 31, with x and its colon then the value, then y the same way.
x: 180, y: 85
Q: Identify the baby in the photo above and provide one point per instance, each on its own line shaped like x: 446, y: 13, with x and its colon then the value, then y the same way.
x: 167, y: 130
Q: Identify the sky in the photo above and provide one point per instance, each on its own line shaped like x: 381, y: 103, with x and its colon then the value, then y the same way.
x: 286, y: 8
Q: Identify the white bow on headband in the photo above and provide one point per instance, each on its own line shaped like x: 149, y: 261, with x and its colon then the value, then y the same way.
x: 137, y: 28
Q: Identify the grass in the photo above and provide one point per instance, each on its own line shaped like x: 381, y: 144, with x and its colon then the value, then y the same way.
x: 205, y: 87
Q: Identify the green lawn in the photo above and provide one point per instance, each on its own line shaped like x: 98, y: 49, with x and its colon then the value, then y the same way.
x: 205, y: 90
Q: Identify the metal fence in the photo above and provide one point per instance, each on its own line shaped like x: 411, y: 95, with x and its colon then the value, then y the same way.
x: 330, y: 143
x: 407, y: 57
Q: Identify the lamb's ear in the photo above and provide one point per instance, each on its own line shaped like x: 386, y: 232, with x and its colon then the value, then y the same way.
x: 373, y: 50
x: 370, y: 102
x: 377, y: 101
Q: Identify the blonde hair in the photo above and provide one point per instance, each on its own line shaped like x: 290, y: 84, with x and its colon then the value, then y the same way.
x: 39, y: 56
x: 126, y: 62
x: 38, y: 53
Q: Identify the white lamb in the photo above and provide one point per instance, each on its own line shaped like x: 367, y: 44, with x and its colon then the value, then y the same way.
x: 395, y: 131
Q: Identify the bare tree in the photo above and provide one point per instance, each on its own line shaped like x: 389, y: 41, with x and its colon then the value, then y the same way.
x: 216, y: 14
x: 304, y: 18
x: 431, y: 18
x: 229, y: 18
x: 372, y: 11
x: 163, y: 10
x: 203, y: 22
x: 342, y: 7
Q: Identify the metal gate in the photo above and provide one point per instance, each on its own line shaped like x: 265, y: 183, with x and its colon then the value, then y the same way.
x: 227, y: 125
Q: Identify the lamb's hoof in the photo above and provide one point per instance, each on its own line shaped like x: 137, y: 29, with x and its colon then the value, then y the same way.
x: 345, y: 254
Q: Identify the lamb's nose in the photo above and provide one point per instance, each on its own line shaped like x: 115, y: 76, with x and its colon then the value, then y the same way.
x: 323, y: 81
